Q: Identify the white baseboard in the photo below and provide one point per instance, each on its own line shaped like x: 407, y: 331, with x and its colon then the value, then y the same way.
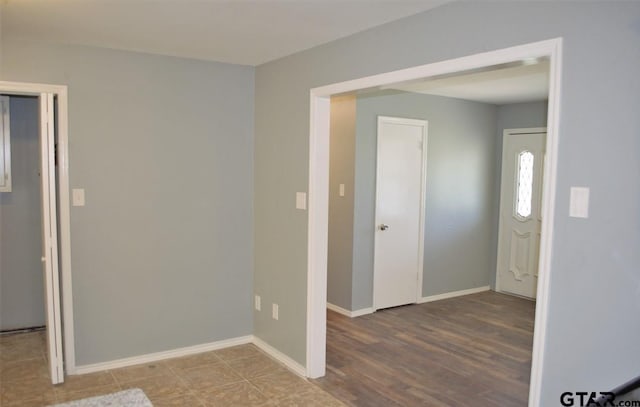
x: 291, y: 364
x: 453, y: 294
x: 350, y: 314
x: 157, y: 356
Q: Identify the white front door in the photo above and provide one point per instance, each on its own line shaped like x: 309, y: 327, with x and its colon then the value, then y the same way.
x: 520, y: 211
x: 399, y: 232
x: 49, y: 238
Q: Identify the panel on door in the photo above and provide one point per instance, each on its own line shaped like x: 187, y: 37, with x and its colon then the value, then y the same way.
x: 520, y: 211
x: 399, y: 206
x: 49, y: 238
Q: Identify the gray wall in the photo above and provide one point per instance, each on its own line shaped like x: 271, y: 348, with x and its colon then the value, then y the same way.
x: 162, y: 251
x: 459, y: 195
x: 512, y: 116
x: 594, y: 273
x: 21, y: 279
x: 341, y: 171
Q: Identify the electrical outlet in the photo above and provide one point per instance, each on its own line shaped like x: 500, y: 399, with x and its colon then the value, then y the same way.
x: 274, y: 311
x: 257, y: 303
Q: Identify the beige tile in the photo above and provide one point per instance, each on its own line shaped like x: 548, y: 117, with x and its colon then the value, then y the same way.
x: 186, y: 400
x: 238, y: 352
x: 312, y: 397
x: 138, y: 372
x: 29, y: 403
x: 236, y: 394
x: 188, y: 362
x: 10, y: 339
x: 210, y: 376
x: 159, y: 387
x: 64, y: 396
x: 22, y: 370
x: 83, y: 382
x: 281, y: 385
x: 32, y: 389
x: 20, y: 352
x: 255, y: 366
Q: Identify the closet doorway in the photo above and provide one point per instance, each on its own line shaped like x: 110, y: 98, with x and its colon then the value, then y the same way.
x: 50, y: 115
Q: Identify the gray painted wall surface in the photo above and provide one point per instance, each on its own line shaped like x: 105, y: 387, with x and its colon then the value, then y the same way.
x: 595, y: 280
x: 341, y: 171
x: 513, y: 116
x: 162, y: 251
x: 21, y: 278
x: 459, y: 195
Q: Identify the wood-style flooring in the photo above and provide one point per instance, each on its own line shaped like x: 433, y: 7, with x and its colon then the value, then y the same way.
x: 473, y: 350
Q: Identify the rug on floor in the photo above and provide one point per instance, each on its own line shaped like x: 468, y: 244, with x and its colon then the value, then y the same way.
x: 128, y: 398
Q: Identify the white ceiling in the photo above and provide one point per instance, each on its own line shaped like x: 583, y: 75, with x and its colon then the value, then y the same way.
x: 523, y: 83
x: 249, y: 32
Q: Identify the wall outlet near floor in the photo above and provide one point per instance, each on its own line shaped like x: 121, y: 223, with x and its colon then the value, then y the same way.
x: 274, y: 311
x: 257, y: 303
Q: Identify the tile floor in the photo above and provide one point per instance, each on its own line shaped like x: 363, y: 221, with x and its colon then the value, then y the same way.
x: 237, y: 376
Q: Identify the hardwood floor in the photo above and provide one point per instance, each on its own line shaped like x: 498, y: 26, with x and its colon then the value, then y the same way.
x: 466, y: 351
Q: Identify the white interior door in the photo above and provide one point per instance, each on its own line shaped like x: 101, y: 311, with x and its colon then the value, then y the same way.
x: 520, y: 211
x: 50, y: 238
x: 399, y: 232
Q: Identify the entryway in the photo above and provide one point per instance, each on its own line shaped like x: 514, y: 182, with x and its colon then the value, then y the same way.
x: 520, y: 211
x: 51, y: 125
x: 318, y: 183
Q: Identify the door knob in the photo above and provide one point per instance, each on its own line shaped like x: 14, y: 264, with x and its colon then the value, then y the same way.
x: 383, y: 227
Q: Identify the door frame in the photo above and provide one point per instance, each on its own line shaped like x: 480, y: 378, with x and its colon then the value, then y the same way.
x: 319, y: 190
x: 505, y: 133
x: 423, y: 188
x: 64, y: 225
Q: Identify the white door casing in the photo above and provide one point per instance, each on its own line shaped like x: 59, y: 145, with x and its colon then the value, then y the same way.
x: 319, y: 184
x: 520, y: 211
x: 50, y: 238
x: 399, y: 214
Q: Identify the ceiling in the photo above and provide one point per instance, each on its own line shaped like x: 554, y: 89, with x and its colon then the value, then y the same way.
x: 248, y: 32
x: 528, y: 81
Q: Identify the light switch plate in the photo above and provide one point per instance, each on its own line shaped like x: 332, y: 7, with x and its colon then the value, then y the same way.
x: 341, y: 189
x: 257, y: 303
x: 301, y: 200
x: 77, y: 197
x: 274, y: 311
x: 579, y: 202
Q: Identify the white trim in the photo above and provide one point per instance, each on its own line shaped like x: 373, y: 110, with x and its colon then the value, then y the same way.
x: 158, y: 356
x: 35, y: 89
x: 505, y: 133
x: 5, y: 141
x: 291, y: 364
x: 548, y: 214
x: 423, y: 198
x: 318, y: 189
x: 350, y: 314
x: 454, y: 294
x: 318, y: 234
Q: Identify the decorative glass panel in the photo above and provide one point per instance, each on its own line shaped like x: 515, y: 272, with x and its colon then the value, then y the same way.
x: 525, y: 184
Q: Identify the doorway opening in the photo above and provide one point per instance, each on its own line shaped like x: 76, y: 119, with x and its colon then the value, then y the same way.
x: 318, y: 187
x: 52, y: 149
